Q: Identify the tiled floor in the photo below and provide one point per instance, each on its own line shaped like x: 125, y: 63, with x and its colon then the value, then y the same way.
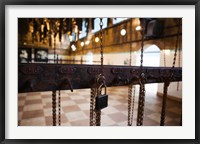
x: 35, y: 109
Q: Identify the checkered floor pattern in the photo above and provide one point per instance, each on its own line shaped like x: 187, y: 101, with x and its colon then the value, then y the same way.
x: 35, y: 109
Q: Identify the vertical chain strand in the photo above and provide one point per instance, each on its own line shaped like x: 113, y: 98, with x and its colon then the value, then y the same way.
x: 142, y: 48
x: 141, y: 105
x: 92, y: 106
x: 177, y: 41
x: 101, y: 42
x: 131, y: 101
x: 164, y: 101
x: 54, y: 107
x: 98, y: 117
x: 59, y: 108
x: 142, y: 79
x: 166, y: 84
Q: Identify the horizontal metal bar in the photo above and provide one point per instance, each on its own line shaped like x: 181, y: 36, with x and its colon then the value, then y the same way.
x: 34, y: 77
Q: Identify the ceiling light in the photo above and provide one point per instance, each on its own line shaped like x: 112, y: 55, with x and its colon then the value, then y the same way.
x: 82, y: 44
x: 123, y: 32
x: 138, y: 28
x: 96, y: 39
x: 87, y: 42
x: 73, y: 47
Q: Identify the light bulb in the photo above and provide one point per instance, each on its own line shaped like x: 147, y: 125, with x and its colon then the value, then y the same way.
x: 138, y: 28
x: 96, y: 39
x: 123, y: 32
x: 82, y: 44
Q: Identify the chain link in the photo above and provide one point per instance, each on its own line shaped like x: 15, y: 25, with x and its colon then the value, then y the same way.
x: 163, y: 112
x: 131, y: 101
x: 59, y: 108
x: 142, y: 47
x: 177, y: 41
x: 101, y: 42
x: 54, y: 107
x: 142, y: 81
x: 95, y: 115
x: 92, y: 106
x: 141, y: 105
x: 131, y: 94
x: 167, y: 80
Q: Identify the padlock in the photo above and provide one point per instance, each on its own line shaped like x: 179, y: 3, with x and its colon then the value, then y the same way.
x: 101, y: 101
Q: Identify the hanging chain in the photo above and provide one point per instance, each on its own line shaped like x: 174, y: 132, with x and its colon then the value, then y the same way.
x: 101, y: 43
x: 92, y: 106
x: 167, y: 80
x: 54, y: 107
x: 131, y: 100
x: 59, y: 108
x: 131, y: 94
x: 142, y: 81
x: 95, y: 115
x: 163, y: 112
x: 142, y: 49
x: 177, y: 41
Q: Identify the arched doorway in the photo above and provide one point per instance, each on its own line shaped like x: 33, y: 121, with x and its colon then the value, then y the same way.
x: 151, y: 57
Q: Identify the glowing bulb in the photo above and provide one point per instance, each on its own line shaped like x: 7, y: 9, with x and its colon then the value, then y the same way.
x: 138, y: 28
x: 82, y: 44
x: 87, y: 42
x: 73, y: 47
x: 96, y: 39
x: 123, y: 32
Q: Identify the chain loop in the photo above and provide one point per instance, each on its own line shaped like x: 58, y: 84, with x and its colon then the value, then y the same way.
x: 59, y: 108
x: 142, y: 81
x: 54, y: 107
x: 101, y: 42
x: 177, y: 41
x: 163, y: 112
x: 131, y: 94
x: 131, y: 101
x: 167, y: 80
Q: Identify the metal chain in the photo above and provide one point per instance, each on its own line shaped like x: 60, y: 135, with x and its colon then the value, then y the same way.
x: 92, y: 106
x: 131, y: 95
x: 142, y: 49
x: 101, y: 43
x: 59, y: 108
x: 167, y: 81
x: 141, y: 105
x: 163, y: 111
x: 54, y: 107
x: 177, y: 41
x: 95, y: 115
x: 131, y: 101
x: 142, y: 80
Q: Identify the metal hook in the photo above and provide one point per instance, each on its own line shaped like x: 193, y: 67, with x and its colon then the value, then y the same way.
x: 66, y: 82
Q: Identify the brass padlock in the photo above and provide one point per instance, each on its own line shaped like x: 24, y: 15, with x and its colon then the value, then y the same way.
x: 101, y: 100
